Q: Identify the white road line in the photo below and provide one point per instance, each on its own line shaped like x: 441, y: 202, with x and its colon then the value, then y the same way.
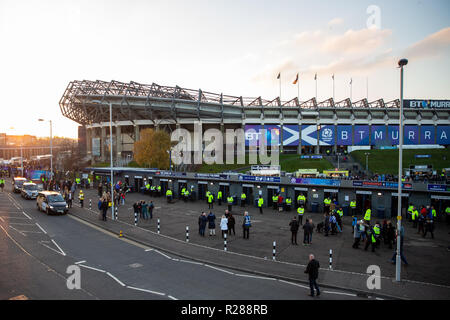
x: 218, y: 269
x: 147, y: 250
x: 193, y: 262
x: 18, y: 231
x: 165, y: 255
x: 294, y: 284
x: 9, y: 217
x: 173, y: 298
x: 50, y: 248
x: 379, y: 299
x: 118, y: 281
x: 80, y: 262
x: 341, y: 293
x: 92, y: 268
x: 41, y: 228
x: 19, y: 224
x: 250, y: 276
x: 62, y: 252
x: 26, y: 215
x: 30, y: 231
x: 149, y: 291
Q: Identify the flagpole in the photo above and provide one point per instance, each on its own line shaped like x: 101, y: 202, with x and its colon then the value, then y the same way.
x: 333, y: 87
x: 351, y: 83
x: 316, y: 86
x: 280, y: 88
x: 367, y: 88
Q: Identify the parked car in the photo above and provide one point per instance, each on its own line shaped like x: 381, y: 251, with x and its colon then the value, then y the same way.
x: 17, y: 184
x: 29, y: 190
x: 51, y: 202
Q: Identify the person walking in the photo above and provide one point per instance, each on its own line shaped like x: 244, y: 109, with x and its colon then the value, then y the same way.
x: 311, y: 224
x: 260, y: 204
x: 300, y: 213
x: 356, y: 235
x: 2, y: 183
x: 390, y: 234
x: 224, y: 225
x: 202, y: 220
x: 210, y: 201
x: 294, y: 230
x: 104, y: 207
x: 421, y: 223
x: 145, y: 210
x: 231, y: 223
x: 326, y: 224
x: 150, y: 209
x: 246, y: 224
x: 306, y: 232
x: 212, y: 223
x: 429, y: 227
x: 312, y: 269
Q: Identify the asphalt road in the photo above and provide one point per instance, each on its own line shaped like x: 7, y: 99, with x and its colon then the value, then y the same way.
x: 37, y: 249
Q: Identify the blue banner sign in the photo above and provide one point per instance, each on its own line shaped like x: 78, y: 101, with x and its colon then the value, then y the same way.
x: 439, y: 187
x: 422, y: 156
x: 411, y: 135
x: 427, y: 135
x: 326, y: 135
x: 211, y: 176
x: 344, y: 135
x: 381, y: 184
x: 315, y: 181
x: 259, y: 178
x: 362, y: 134
x: 443, y: 135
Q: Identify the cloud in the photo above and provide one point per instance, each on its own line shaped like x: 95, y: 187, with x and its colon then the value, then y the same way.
x: 431, y: 46
x: 356, y: 42
x: 335, y: 22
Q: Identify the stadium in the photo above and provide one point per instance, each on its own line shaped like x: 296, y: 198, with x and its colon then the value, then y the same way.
x: 305, y: 127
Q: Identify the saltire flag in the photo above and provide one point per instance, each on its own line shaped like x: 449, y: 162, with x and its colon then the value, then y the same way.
x: 279, y: 74
x: 296, y: 79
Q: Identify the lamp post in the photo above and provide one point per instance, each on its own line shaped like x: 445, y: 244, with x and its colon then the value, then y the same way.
x: 51, y: 149
x: 401, y: 64
x: 111, y: 153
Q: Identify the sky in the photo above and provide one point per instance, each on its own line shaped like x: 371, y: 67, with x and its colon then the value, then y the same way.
x: 224, y: 46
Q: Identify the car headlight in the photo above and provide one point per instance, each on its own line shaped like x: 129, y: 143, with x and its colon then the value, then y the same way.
x: 51, y: 207
x: 67, y: 205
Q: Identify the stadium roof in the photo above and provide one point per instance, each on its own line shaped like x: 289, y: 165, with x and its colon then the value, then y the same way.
x: 134, y: 101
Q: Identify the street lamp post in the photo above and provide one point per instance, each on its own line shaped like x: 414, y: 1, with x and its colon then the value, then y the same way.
x: 51, y: 149
x: 401, y: 64
x: 111, y: 154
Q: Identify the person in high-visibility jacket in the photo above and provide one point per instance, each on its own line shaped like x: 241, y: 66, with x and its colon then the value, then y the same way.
x: 207, y: 195
x: 243, y: 199
x: 374, y: 237
x: 340, y: 213
x: 353, y: 207
x: 230, y: 201
x: 415, y: 217
x: 288, y: 203
x: 219, y: 197
x: 169, y: 195
x: 447, y: 215
x: 326, y: 204
x: 88, y: 183
x: 186, y: 194
x: 410, y: 210
x: 300, y: 213
x: 433, y: 213
x: 367, y: 216
x: 274, y: 202
x: 81, y: 198
x: 301, y: 199
x: 260, y: 204
x: 158, y: 189
x: 210, y: 201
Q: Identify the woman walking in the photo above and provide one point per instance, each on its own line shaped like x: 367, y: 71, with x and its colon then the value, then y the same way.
x: 224, y: 225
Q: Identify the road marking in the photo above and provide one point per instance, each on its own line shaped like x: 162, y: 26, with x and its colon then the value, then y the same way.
x: 165, y: 255
x: 250, y: 276
x: 92, y: 268
x: 19, y: 224
x: 341, y: 293
x: 173, y: 298
x: 147, y: 250
x: 62, y: 252
x: 218, y: 269
x: 294, y: 284
x: 149, y: 291
x: 118, y: 281
x: 26, y: 215
x: 18, y: 231
x: 41, y: 228
x: 49, y: 247
x: 80, y: 262
x: 9, y: 217
x: 193, y: 262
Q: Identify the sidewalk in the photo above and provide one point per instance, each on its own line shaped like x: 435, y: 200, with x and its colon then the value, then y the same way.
x: 428, y: 263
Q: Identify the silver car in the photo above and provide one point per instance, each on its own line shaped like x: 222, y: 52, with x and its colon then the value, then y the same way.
x: 29, y: 190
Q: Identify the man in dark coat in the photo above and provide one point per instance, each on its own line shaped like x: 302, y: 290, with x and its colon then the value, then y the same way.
x: 202, y: 224
x: 294, y: 229
x: 312, y: 269
x: 308, y: 229
x: 212, y: 224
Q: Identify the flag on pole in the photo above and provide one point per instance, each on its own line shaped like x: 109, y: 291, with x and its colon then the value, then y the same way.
x: 315, y: 77
x: 279, y: 74
x: 351, y: 80
x: 296, y: 79
x: 332, y: 76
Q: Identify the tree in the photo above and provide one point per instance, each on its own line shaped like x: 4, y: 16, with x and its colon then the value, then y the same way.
x: 151, y: 151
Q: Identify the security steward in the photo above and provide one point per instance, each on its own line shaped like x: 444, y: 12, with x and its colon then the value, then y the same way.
x: 230, y: 201
x: 243, y: 199
x: 169, y: 195
x: 219, y: 197
x: 210, y: 201
x: 300, y: 213
x: 81, y: 198
x: 260, y: 204
x: 326, y: 204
